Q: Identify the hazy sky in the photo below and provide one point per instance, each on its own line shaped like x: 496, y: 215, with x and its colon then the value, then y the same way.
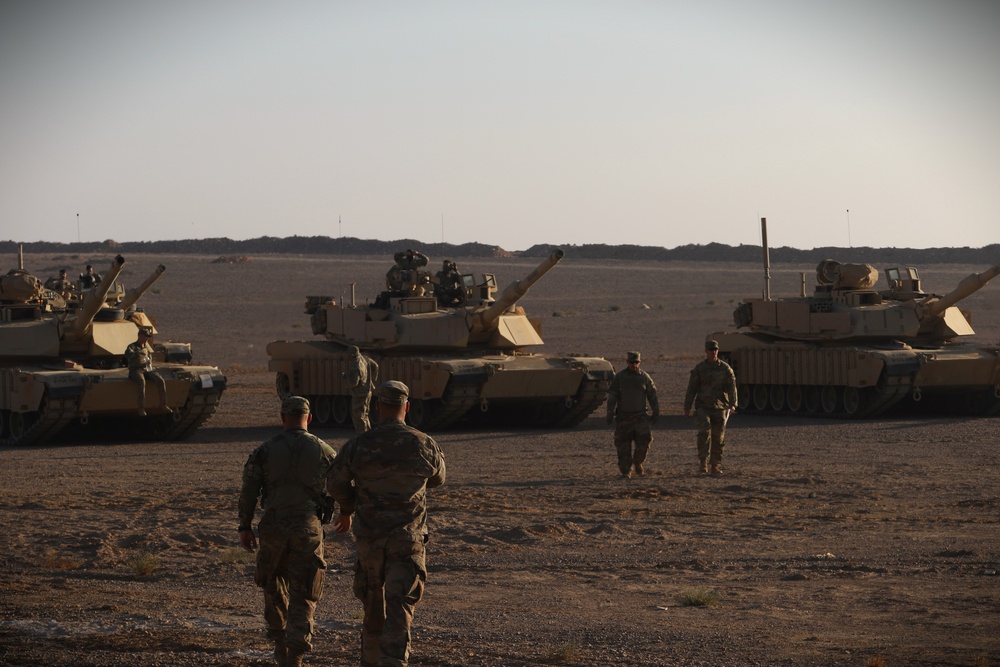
x: 507, y: 122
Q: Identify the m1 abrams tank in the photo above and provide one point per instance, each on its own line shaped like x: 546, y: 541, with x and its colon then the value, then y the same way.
x: 460, y: 354
x: 61, y: 364
x: 851, y: 350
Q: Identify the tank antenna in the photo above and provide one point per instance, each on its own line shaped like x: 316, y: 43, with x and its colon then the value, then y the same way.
x: 767, y: 259
x: 849, y: 245
x: 20, y: 256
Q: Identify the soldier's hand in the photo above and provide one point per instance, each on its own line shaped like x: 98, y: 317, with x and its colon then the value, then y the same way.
x: 655, y: 417
x: 342, y: 523
x: 687, y: 412
x: 248, y: 540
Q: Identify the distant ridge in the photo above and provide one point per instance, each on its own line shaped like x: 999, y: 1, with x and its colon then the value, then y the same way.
x: 324, y: 245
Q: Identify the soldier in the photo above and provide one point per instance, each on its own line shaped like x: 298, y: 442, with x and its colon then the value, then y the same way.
x: 139, y: 359
x: 712, y: 390
x: 288, y: 473
x: 62, y: 284
x: 382, y: 478
x: 449, y: 285
x: 628, y: 394
x: 361, y: 376
x: 90, y: 278
x: 404, y: 274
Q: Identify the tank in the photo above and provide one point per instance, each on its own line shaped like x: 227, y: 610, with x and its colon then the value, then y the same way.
x: 852, y: 350
x: 61, y: 365
x: 459, y: 349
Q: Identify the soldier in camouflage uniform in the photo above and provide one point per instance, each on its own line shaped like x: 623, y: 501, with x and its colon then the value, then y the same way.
x: 712, y: 390
x: 382, y: 477
x: 288, y: 473
x: 628, y: 394
x: 361, y: 376
x: 139, y: 359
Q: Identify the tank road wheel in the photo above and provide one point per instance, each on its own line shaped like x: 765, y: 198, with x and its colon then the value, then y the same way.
x: 282, y: 386
x: 421, y: 413
x: 18, y: 424
x: 793, y: 397
x: 322, y: 410
x: 776, y: 396
x: 852, y: 401
x: 760, y: 397
x: 340, y: 410
x: 743, y: 397
x: 813, y: 400
x: 830, y: 399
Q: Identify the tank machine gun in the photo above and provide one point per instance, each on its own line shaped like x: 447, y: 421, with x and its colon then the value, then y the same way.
x: 850, y: 350
x: 61, y: 364
x: 454, y: 359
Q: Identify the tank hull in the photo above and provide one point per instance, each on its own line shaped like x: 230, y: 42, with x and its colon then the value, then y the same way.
x: 39, y: 402
x: 445, y: 388
x: 857, y: 380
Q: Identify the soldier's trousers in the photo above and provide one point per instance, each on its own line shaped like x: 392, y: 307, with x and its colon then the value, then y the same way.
x: 359, y: 412
x: 290, y: 569
x: 711, y: 431
x: 631, y: 429
x: 389, y: 580
x: 139, y: 376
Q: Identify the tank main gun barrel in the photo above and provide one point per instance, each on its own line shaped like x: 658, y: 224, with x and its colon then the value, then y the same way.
x: 94, y: 299
x: 969, y: 285
x: 135, y: 294
x: 517, y: 289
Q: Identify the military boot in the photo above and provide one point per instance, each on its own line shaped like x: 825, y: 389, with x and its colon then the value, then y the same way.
x: 279, y: 652
x: 294, y: 657
x: 716, y: 470
x: 639, y: 470
x: 703, y: 466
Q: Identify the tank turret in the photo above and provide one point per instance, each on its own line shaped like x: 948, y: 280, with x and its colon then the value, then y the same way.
x: 846, y: 306
x: 455, y: 352
x: 852, y: 350
x: 93, y: 300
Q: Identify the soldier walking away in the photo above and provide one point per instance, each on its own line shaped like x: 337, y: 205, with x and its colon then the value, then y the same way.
x: 139, y: 359
x: 631, y: 389
x: 288, y: 473
x: 712, y: 391
x: 89, y: 278
x: 361, y: 376
x: 381, y: 478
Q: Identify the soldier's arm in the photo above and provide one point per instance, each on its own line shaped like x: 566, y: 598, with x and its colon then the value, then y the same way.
x: 731, y: 390
x: 651, y: 398
x: 613, y: 392
x: 440, y: 473
x: 340, y: 481
x: 692, y: 391
x: 253, y: 484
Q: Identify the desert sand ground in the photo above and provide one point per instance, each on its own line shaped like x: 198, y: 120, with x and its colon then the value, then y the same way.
x: 825, y: 543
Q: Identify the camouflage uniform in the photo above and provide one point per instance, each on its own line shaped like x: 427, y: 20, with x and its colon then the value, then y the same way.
x: 382, y: 477
x: 362, y: 374
x: 288, y: 473
x: 404, y: 276
x: 712, y: 391
x: 628, y: 394
x: 139, y: 358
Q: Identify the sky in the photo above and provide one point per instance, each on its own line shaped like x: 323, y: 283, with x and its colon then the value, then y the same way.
x: 514, y: 123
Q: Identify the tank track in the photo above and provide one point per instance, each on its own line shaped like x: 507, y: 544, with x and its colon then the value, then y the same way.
x: 590, y: 397
x: 456, y: 404
x: 201, y: 405
x: 46, y: 424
